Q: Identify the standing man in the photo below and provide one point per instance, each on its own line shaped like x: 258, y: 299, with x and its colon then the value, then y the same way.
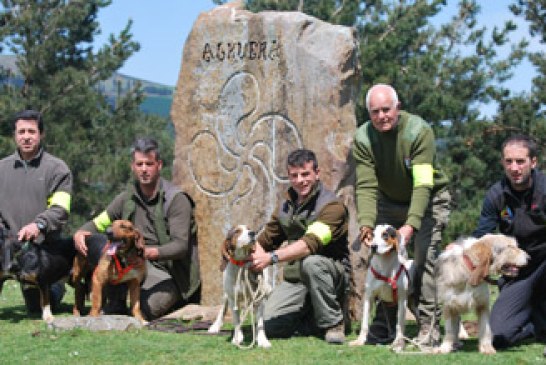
x: 399, y: 183
x: 516, y: 205
x: 164, y: 215
x: 35, y: 188
x: 314, y: 223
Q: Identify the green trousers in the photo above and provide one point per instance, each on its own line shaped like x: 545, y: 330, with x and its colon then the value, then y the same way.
x: 310, y: 306
x: 425, y: 247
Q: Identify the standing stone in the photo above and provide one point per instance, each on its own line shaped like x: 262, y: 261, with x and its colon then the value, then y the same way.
x: 252, y: 88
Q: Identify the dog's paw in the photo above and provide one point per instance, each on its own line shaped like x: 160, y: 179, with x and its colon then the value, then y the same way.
x: 358, y: 342
x: 398, y: 345
x: 487, y: 349
x: 237, y: 338
x: 264, y: 343
x: 445, y: 348
x: 215, y: 328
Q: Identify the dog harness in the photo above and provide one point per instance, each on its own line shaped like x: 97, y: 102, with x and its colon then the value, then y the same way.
x: 122, y: 268
x: 391, y: 281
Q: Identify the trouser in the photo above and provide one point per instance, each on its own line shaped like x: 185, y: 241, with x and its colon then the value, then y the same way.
x: 425, y: 249
x: 520, y: 309
x: 310, y: 306
x: 159, y: 295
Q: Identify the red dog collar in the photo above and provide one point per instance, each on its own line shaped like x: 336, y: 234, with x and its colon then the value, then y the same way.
x: 239, y: 263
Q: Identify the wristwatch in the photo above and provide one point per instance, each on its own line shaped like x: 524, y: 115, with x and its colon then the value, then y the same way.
x: 41, y: 226
x: 274, y: 257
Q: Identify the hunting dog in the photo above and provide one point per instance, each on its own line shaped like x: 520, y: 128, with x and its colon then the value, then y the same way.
x: 121, y: 260
x: 244, y: 290
x: 462, y: 273
x: 39, y: 265
x: 387, y: 279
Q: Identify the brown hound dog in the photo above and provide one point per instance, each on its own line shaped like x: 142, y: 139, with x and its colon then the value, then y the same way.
x: 121, y: 261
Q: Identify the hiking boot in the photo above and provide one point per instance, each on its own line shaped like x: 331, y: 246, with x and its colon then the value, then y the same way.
x: 428, y: 335
x: 335, y: 334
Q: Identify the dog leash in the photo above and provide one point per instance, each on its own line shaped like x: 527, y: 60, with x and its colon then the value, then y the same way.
x: 255, y: 297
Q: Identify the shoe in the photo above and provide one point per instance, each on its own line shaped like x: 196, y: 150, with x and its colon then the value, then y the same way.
x: 428, y: 335
x: 335, y: 334
x: 383, y: 328
x: 379, y: 334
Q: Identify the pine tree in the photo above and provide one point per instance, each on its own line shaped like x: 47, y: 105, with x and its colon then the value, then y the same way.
x: 60, y: 68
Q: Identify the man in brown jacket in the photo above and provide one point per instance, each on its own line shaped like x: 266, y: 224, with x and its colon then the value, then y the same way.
x: 314, y: 223
x: 164, y: 215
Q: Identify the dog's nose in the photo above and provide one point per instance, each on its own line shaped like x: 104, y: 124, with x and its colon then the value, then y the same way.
x: 374, y: 248
x: 252, y: 235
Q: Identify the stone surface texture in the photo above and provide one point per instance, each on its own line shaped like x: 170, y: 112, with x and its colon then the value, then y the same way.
x: 253, y: 87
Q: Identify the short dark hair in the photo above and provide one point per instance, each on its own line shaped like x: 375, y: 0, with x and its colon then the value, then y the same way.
x: 524, y: 140
x: 300, y: 157
x: 29, y: 114
x: 146, y: 145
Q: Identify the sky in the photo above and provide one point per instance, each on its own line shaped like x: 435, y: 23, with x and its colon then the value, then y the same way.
x: 162, y: 26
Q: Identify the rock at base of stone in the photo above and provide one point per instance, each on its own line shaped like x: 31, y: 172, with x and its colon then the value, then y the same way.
x: 100, y: 323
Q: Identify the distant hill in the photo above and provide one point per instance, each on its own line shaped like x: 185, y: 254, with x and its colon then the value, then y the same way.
x: 158, y: 97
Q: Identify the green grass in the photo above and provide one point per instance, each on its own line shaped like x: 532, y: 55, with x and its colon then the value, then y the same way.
x: 26, y: 340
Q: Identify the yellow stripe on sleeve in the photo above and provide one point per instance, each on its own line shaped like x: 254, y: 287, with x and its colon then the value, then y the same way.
x: 423, y: 175
x: 102, y: 221
x: 60, y: 198
x: 322, y: 231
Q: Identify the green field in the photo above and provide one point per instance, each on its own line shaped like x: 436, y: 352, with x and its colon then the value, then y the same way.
x: 28, y: 341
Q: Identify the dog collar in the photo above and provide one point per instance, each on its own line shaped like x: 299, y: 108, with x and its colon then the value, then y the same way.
x: 239, y: 263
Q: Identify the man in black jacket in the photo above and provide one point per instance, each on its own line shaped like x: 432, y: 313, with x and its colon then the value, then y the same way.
x: 516, y: 205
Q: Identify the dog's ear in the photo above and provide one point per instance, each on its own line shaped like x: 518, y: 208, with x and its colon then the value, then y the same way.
x: 226, y: 249
x: 480, y: 254
x: 139, y: 241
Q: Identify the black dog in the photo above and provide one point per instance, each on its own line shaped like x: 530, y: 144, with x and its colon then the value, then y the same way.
x: 39, y: 265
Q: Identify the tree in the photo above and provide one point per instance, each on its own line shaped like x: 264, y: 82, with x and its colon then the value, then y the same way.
x: 60, y: 69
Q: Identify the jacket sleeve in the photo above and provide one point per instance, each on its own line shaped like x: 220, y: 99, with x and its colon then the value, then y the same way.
x: 59, y: 199
x: 423, y: 152
x: 272, y: 235
x: 331, y: 224
x: 366, y: 181
x: 489, y: 218
x: 101, y: 222
x: 179, y: 217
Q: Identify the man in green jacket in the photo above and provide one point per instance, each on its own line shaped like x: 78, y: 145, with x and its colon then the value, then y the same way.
x: 314, y: 223
x: 164, y: 215
x: 399, y: 183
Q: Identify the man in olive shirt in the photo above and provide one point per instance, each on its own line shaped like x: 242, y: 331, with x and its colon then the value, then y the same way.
x: 164, y: 215
x: 314, y: 223
x: 399, y: 183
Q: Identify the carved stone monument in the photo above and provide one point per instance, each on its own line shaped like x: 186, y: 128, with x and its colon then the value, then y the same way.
x: 252, y: 88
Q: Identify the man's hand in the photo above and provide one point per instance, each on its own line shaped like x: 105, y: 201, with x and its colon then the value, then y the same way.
x: 259, y: 259
x: 79, y: 241
x: 366, y: 235
x: 29, y: 232
x: 406, y: 231
x: 151, y: 253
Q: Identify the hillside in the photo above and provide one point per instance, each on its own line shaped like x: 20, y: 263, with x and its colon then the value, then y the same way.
x: 158, y: 97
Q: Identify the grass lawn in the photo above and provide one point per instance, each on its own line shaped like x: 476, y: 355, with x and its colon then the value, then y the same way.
x: 26, y: 340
